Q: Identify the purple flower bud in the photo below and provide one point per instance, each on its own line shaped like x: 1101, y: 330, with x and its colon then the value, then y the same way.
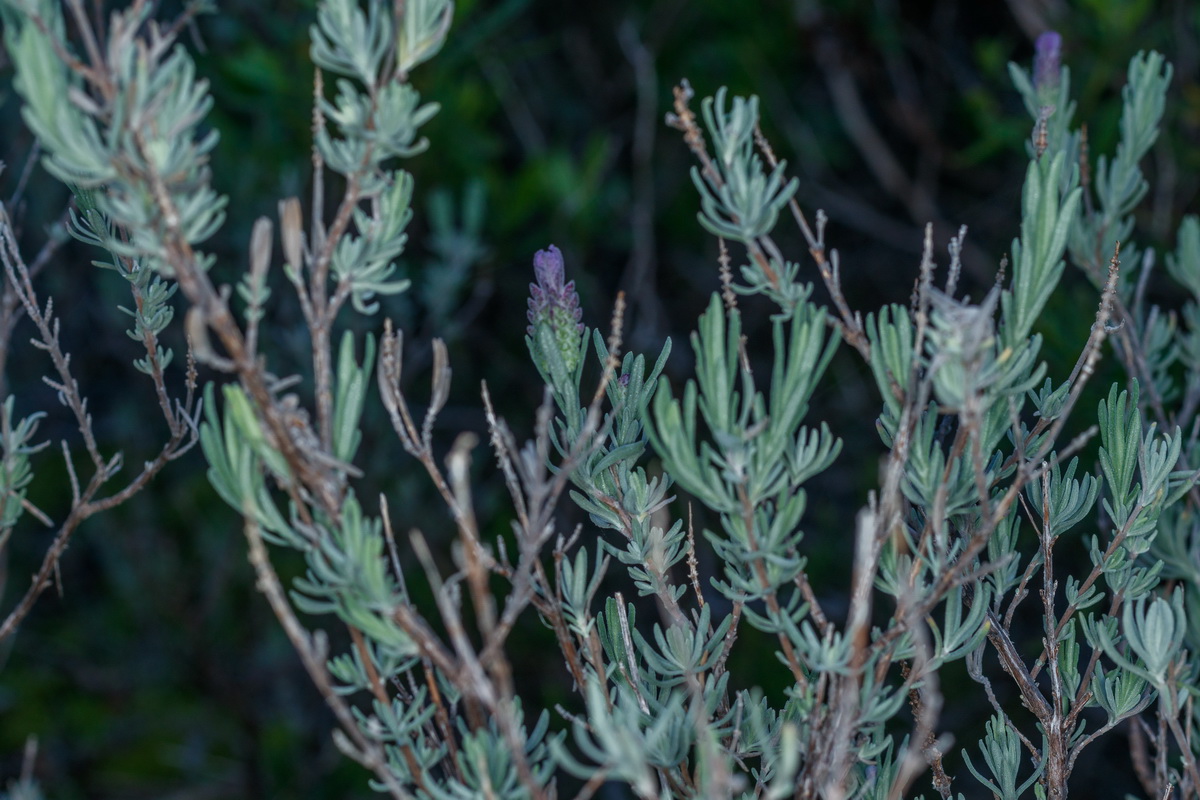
x: 555, y: 303
x: 1046, y: 61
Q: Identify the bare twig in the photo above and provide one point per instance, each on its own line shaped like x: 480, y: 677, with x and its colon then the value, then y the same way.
x: 312, y: 652
x: 180, y: 415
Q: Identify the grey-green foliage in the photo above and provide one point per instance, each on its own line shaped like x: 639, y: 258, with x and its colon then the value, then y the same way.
x: 122, y: 127
x: 1184, y: 344
x: 962, y: 531
x: 1002, y: 753
x: 16, y: 473
x: 455, y: 239
x: 22, y: 790
x: 1154, y: 635
x: 1119, y: 182
x: 753, y: 469
x: 141, y: 142
x: 365, y: 262
x: 1048, y: 212
x: 739, y: 198
x: 152, y: 293
x: 954, y: 380
x: 377, y: 120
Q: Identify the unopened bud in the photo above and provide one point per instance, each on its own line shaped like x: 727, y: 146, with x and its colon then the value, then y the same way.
x: 1047, y: 62
x: 554, y: 302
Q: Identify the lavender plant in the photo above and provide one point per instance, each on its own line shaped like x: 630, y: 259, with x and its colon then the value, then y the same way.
x: 98, y: 488
x: 978, y: 462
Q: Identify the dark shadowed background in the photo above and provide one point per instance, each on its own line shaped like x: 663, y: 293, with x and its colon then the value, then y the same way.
x: 158, y: 671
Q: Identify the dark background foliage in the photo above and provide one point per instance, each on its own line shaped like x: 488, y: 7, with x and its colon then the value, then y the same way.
x: 159, y: 671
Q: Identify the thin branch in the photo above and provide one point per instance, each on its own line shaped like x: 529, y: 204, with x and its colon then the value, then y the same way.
x: 312, y: 652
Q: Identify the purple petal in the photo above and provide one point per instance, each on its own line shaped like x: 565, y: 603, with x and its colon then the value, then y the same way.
x: 549, y: 269
x: 1046, y: 62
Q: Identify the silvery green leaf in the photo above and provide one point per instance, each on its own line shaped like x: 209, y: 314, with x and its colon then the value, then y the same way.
x: 400, y: 115
x: 782, y: 285
x: 610, y: 737
x: 1004, y: 556
x: 349, y: 576
x: 422, y: 32
x: 874, y: 780
x: 1184, y: 264
x: 578, y: 587
x: 1155, y: 633
x: 1160, y: 351
x: 800, y: 361
x: 743, y: 203
x: 1118, y: 182
x: 881, y: 703
x: 1068, y: 662
x: 16, y: 472
x: 350, y: 41
x: 716, y: 342
x: 235, y: 471
x: 1138, y: 579
x: 76, y: 152
x: 1049, y: 402
x: 349, y: 670
x: 683, y: 649
x: 365, y: 262
x: 1156, y: 460
x: 649, y: 553
x: 349, y: 396
x: 1121, y: 438
x: 487, y: 766
x: 611, y: 638
x: 672, y: 427
x: 743, y: 585
x: 1179, y: 483
x: 785, y: 768
x: 1143, y: 101
x: 895, y: 566
x: 891, y: 337
x: 927, y: 476
x: 1177, y: 545
x: 957, y: 637
x: 631, y: 391
x: 1002, y: 754
x: 153, y: 182
x: 1069, y: 500
x: 830, y: 652
x: 1047, y: 214
x: 1121, y: 692
x: 1085, y: 600
x: 601, y: 514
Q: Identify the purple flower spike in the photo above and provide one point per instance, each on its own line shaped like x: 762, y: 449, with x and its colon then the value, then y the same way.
x: 550, y: 299
x: 549, y: 268
x: 553, y: 301
x: 1046, y: 62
